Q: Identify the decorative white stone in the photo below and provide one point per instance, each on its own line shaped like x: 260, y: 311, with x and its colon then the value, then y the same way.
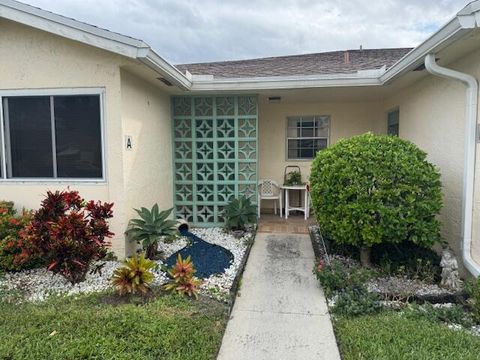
x: 38, y: 284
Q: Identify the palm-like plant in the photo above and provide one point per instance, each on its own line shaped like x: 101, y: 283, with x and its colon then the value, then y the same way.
x: 149, y: 227
x: 240, y: 212
x: 134, y: 276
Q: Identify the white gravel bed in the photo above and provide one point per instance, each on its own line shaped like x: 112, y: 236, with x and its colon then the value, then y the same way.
x: 169, y: 249
x: 38, y: 284
x: 219, y: 285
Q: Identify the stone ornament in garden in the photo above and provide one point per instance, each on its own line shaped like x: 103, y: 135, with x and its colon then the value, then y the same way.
x: 450, y: 277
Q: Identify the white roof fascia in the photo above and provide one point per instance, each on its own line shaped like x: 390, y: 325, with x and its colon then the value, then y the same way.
x: 91, y: 35
x: 284, y: 82
x: 159, y: 64
x: 69, y: 28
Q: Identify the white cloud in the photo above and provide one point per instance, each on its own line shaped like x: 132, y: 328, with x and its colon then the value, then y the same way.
x: 210, y: 30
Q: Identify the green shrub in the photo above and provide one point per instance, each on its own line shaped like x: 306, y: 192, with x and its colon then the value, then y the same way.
x: 134, y: 276
x: 239, y: 213
x: 372, y: 189
x: 355, y: 302
x: 337, y: 276
x: 150, y: 227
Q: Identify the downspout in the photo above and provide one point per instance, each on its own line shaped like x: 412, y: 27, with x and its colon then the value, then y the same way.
x: 471, y: 110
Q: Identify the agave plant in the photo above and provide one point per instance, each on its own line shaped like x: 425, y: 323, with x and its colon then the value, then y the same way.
x: 149, y: 227
x: 240, y: 212
x: 182, y: 279
x: 134, y: 276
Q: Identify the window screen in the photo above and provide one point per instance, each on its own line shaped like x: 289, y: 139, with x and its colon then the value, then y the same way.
x: 53, y: 137
x: 78, y: 136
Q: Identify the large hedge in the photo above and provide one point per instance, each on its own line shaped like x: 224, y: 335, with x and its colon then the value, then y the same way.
x: 371, y: 189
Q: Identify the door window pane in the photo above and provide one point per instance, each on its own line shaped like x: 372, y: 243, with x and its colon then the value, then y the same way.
x: 28, y: 123
x: 78, y: 136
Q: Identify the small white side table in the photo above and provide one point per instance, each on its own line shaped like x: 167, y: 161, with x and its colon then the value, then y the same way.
x: 306, y: 200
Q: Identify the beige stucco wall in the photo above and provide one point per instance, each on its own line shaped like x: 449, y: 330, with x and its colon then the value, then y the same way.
x: 38, y: 60
x: 432, y: 116
x: 346, y: 119
x: 148, y: 165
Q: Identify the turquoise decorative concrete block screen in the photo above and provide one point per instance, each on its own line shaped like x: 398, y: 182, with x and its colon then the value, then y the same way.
x: 215, y: 155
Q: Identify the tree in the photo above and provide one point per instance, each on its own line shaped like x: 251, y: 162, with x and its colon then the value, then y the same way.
x: 371, y: 189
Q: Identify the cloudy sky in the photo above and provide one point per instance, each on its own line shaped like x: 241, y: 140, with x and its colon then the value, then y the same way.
x: 184, y: 31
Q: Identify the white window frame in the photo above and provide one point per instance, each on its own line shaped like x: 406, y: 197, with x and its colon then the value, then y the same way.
x: 53, y: 92
x: 287, y: 138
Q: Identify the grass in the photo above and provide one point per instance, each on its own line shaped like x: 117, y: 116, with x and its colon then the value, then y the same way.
x: 391, y: 336
x: 168, y: 327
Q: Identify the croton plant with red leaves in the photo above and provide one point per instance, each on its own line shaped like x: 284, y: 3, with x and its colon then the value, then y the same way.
x: 68, y: 233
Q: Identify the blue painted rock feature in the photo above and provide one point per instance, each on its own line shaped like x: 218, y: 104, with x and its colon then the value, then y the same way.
x: 207, y: 258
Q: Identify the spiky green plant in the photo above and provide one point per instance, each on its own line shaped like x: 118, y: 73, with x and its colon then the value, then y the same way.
x: 134, y: 276
x: 151, y: 225
x: 240, y: 212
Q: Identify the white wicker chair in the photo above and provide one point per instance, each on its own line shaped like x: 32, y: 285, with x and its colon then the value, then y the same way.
x: 269, y: 190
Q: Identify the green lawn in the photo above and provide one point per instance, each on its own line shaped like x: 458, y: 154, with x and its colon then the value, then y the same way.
x: 389, y: 336
x: 88, y: 327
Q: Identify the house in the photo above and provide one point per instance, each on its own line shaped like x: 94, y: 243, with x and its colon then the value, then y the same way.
x: 86, y: 108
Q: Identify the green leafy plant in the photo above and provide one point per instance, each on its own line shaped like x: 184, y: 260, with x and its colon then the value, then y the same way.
x: 337, y: 276
x: 293, y: 178
x: 240, y: 212
x: 372, y: 189
x: 182, y: 277
x: 134, y: 276
x: 356, y: 301
x: 151, y: 225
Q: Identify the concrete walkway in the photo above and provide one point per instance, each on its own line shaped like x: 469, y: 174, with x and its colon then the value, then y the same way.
x: 281, y: 312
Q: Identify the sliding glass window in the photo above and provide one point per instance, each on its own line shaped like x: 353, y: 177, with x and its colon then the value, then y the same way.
x: 57, y: 137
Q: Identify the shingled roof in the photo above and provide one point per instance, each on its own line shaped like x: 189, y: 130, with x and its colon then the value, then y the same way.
x: 334, y: 62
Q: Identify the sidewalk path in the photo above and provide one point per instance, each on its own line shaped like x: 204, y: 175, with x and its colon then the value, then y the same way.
x: 281, y: 313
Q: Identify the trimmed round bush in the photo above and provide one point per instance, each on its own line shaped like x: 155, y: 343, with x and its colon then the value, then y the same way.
x: 372, y: 189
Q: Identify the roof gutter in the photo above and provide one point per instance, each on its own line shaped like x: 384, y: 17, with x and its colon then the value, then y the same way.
x: 284, y: 82
x: 471, y: 113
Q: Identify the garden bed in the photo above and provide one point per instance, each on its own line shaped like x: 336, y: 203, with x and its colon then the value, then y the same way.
x: 39, y: 284
x: 392, y: 312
